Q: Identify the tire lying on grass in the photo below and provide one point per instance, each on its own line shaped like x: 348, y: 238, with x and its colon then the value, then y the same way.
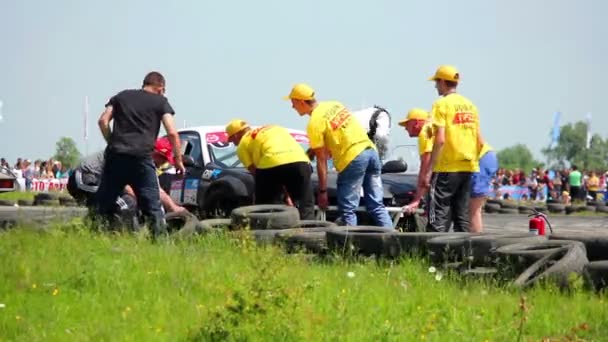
x: 602, y: 209
x: 311, y: 240
x: 491, y: 208
x: 448, y: 248
x: 557, y: 265
x: 364, y: 240
x: 596, y: 274
x: 483, y: 246
x: 48, y: 203
x: 523, y: 209
x: 25, y: 203
x: 265, y: 216
x: 596, y: 243
x: 508, y: 211
x: 508, y: 205
x: 515, y: 258
x: 182, y: 223
x: 556, y: 208
x: 416, y: 243
x: 7, y: 203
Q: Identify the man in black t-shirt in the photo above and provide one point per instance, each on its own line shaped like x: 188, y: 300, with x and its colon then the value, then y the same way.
x: 137, y: 115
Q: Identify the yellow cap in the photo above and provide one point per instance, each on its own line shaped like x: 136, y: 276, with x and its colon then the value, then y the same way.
x: 447, y: 73
x: 301, y: 91
x: 235, y: 126
x: 415, y: 114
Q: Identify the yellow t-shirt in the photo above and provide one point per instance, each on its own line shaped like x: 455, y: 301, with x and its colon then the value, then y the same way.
x: 593, y: 184
x: 484, y: 149
x: 332, y: 126
x: 425, y: 139
x: 269, y: 146
x: 460, y: 119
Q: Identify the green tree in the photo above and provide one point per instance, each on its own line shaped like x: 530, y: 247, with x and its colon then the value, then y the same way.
x: 66, y: 152
x: 518, y: 156
x: 571, y: 148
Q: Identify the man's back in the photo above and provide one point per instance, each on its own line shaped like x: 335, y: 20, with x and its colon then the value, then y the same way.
x: 460, y: 119
x: 270, y: 146
x: 137, y: 116
x: 333, y: 126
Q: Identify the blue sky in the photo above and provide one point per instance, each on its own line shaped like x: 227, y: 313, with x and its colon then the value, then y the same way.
x: 520, y: 61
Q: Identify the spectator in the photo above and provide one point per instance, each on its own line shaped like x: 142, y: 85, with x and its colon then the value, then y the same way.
x: 574, y: 180
x: 4, y: 163
x: 28, y: 174
x: 593, y: 185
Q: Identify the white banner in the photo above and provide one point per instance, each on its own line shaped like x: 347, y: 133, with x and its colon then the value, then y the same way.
x: 46, y: 185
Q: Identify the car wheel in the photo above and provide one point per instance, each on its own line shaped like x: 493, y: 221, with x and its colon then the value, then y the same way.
x: 220, y: 202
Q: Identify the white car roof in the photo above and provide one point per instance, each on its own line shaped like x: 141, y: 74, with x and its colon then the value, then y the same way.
x: 215, y: 129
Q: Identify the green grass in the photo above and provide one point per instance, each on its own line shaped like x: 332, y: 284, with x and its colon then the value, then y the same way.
x: 71, y: 284
x: 17, y: 195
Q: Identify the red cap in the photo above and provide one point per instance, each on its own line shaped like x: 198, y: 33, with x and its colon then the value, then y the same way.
x: 163, y: 147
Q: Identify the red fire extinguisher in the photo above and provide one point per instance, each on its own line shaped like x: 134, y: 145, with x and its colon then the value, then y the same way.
x: 537, y: 223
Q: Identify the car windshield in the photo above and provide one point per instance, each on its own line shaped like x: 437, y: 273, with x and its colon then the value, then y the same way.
x: 408, y: 154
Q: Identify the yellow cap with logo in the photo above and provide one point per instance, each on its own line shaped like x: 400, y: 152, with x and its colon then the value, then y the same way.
x: 301, y: 91
x: 446, y: 73
x: 415, y: 114
x: 235, y: 126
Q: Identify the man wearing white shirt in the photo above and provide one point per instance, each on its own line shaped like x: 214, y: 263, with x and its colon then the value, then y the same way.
x: 377, y: 123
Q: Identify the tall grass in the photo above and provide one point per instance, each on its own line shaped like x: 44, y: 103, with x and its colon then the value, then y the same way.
x: 72, y: 284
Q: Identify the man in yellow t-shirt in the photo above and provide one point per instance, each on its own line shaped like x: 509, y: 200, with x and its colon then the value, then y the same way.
x: 455, y: 155
x: 418, y: 124
x: 332, y: 127
x: 593, y: 185
x: 278, y: 163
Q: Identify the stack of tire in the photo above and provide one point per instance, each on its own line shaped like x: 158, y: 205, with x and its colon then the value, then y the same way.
x: 43, y: 199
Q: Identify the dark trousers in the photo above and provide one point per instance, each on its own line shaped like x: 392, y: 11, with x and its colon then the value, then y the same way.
x: 121, y: 170
x: 449, y: 197
x: 575, y: 193
x: 271, y: 183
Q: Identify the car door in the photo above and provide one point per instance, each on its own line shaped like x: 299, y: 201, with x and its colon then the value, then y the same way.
x: 184, y: 190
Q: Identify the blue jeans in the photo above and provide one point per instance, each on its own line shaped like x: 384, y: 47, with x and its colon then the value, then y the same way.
x: 363, y: 170
x: 121, y: 170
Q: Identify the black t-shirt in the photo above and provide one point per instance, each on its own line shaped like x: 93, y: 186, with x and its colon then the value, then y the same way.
x: 137, y: 115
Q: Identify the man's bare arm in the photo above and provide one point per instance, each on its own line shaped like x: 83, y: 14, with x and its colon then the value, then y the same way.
x: 321, y: 155
x: 104, y: 123
x: 437, y: 146
x: 169, y: 124
x: 421, y: 189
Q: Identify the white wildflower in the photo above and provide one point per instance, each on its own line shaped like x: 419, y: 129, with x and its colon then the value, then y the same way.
x: 438, y: 276
x: 350, y: 274
x: 432, y: 269
x: 2, y: 305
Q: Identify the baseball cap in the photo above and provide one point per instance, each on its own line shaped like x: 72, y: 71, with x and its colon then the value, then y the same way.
x: 447, y: 73
x: 415, y: 114
x: 163, y: 147
x: 235, y: 126
x: 301, y: 91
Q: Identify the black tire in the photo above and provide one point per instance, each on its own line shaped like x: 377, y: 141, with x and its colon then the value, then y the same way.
x: 416, y: 243
x: 480, y: 273
x: 264, y: 236
x: 491, y: 208
x: 557, y: 265
x: 494, y: 202
x: 46, y: 196
x: 265, y: 216
x: 602, y: 209
x: 364, y: 240
x: 49, y: 203
x: 522, y: 209
x: 413, y: 223
x: 25, y: 203
x: 514, y: 258
x: 447, y: 248
x: 177, y: 221
x: 596, y: 243
x: 311, y: 240
x: 596, y: 274
x: 570, y: 209
x: 308, y: 224
x: 556, y: 208
x: 541, y: 209
x: 590, y: 208
x: 508, y: 211
x: 215, y: 224
x: 483, y: 247
x: 67, y: 201
x: 7, y: 203
x: 508, y: 205
x: 219, y: 203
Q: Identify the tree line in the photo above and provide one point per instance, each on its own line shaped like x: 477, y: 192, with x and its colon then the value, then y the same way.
x: 570, y: 150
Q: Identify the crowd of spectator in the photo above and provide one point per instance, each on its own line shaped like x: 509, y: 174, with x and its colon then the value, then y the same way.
x: 570, y: 184
x: 39, y: 169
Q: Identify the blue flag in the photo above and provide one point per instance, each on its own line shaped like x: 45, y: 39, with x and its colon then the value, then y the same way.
x: 555, y: 130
